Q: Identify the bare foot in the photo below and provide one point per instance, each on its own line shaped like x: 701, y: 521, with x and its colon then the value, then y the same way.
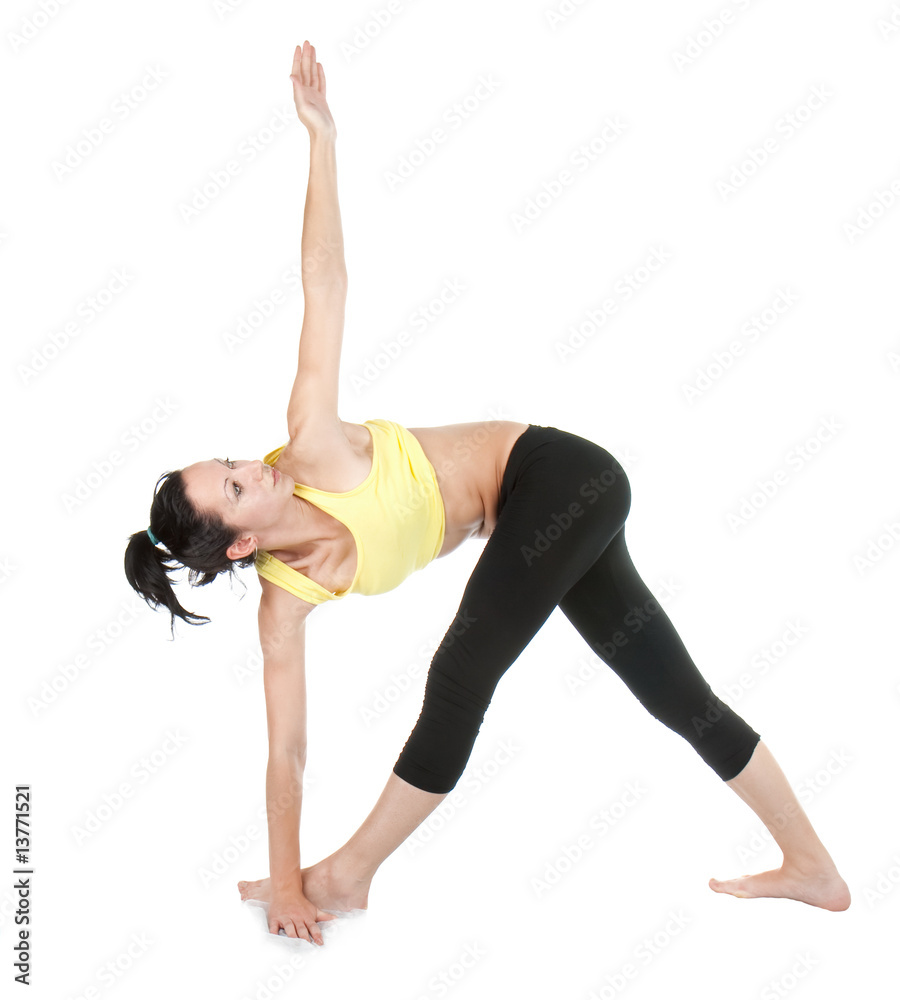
x: 331, y: 887
x: 260, y: 889
x: 823, y: 888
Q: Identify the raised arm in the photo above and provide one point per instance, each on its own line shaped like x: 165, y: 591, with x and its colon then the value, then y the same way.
x: 314, y: 396
x: 282, y: 633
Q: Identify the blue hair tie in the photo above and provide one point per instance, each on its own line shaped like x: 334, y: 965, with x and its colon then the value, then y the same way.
x: 152, y: 537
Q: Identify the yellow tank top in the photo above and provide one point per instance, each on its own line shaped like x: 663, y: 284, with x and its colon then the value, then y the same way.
x: 396, y: 516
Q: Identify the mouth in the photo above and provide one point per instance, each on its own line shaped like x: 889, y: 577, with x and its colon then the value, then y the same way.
x: 276, y: 476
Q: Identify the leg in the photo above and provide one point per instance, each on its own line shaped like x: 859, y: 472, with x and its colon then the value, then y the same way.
x: 541, y: 545
x: 807, y: 871
x: 623, y: 623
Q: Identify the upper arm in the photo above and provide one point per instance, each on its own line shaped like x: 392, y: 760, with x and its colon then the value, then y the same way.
x: 315, y: 391
x: 282, y: 635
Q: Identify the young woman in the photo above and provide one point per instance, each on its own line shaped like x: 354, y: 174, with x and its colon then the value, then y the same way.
x: 386, y: 501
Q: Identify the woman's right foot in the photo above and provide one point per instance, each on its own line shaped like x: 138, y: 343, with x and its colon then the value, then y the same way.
x: 331, y: 887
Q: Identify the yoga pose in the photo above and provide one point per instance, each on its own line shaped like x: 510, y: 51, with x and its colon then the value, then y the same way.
x: 345, y: 508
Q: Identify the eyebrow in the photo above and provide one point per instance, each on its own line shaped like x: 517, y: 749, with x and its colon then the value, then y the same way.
x: 225, y: 484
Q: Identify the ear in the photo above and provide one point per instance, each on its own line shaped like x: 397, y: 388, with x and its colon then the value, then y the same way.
x: 241, y: 548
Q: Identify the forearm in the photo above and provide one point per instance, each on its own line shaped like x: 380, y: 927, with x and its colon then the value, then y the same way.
x: 322, y: 242
x: 284, y: 795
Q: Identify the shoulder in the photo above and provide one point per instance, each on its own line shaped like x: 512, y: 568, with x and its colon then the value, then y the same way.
x: 280, y: 611
x: 328, y: 451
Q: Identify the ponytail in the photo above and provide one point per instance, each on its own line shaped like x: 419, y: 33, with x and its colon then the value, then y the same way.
x: 195, y: 540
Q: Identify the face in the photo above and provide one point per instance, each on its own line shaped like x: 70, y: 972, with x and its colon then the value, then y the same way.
x: 246, y: 494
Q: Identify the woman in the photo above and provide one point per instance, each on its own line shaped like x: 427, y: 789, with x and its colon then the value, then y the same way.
x: 386, y: 501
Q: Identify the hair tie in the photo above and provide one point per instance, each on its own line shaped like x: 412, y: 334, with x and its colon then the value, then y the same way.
x: 152, y: 537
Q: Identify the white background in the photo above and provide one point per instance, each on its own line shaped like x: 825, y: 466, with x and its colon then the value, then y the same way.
x: 92, y: 683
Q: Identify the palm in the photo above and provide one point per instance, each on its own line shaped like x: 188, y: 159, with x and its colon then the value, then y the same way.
x: 308, y: 79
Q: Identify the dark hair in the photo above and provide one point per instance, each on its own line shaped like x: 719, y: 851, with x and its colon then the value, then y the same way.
x: 195, y: 539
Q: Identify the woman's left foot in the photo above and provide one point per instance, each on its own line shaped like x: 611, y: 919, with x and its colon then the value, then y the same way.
x: 824, y: 888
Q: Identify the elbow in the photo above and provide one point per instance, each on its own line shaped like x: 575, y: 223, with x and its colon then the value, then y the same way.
x: 329, y: 278
x: 288, y: 754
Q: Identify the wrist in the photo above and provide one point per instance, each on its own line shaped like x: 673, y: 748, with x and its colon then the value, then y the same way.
x: 287, y: 881
x: 323, y: 136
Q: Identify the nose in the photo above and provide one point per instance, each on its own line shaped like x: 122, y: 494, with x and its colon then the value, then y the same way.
x: 258, y: 467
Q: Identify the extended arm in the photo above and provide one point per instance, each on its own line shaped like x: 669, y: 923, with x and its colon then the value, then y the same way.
x: 282, y: 631
x: 314, y: 396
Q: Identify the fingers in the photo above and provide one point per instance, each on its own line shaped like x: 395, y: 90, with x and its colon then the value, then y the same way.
x: 313, y: 68
x: 298, y: 929
x: 305, y: 70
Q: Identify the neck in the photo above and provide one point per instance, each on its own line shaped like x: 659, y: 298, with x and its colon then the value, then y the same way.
x: 300, y: 532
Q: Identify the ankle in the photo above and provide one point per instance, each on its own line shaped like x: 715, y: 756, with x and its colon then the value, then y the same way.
x: 809, y: 865
x: 347, y: 866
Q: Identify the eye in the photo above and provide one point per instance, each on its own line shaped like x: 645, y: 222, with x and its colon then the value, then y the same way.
x: 236, y: 487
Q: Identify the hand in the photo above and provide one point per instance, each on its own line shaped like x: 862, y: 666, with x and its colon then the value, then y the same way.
x: 308, y: 79
x: 290, y: 909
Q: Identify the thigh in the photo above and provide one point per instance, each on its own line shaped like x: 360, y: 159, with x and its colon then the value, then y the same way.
x: 539, y: 548
x: 625, y: 625
x: 560, y: 505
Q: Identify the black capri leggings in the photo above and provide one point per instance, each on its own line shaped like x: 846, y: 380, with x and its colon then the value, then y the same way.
x: 560, y: 540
